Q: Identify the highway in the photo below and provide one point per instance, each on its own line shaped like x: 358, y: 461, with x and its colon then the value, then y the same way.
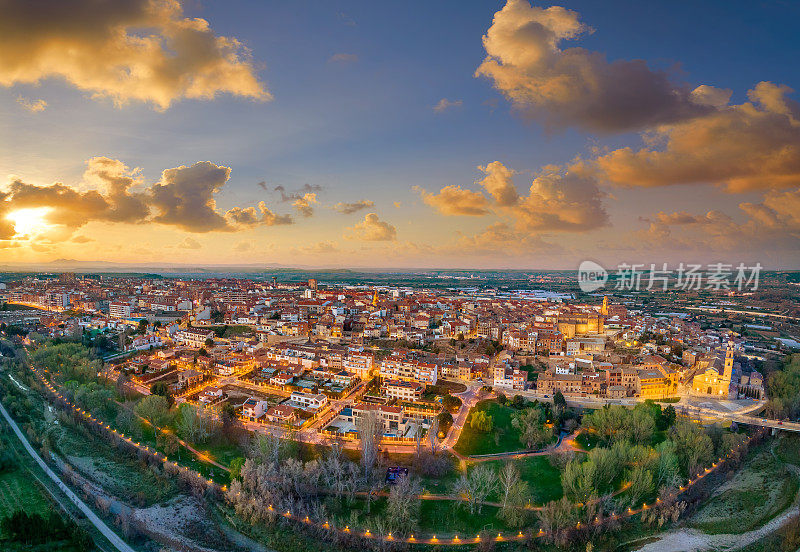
x: 113, y: 538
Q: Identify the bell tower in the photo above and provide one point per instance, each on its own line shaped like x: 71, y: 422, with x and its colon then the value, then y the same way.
x: 604, y: 308
x: 728, y: 374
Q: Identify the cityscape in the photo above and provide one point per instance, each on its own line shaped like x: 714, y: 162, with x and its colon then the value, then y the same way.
x: 333, y: 277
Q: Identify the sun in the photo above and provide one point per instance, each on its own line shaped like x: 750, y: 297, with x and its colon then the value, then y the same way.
x: 30, y: 222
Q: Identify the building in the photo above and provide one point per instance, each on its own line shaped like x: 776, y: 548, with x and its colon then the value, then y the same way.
x: 281, y: 414
x: 403, y: 390
x: 253, y: 409
x: 390, y: 416
x: 550, y: 382
x: 189, y: 378
x: 509, y: 377
x: 717, y: 376
x: 313, y: 401
x: 193, y: 337
x: 409, y: 370
x: 118, y: 309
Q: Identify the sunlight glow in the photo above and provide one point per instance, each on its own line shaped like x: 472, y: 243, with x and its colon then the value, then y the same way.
x: 30, y: 222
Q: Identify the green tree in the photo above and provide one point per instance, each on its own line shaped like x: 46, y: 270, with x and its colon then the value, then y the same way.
x: 481, y: 421
x: 530, y: 423
x: 154, y: 409
x: 162, y: 389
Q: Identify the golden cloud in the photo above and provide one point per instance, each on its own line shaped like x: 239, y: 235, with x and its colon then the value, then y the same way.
x: 372, y: 228
x: 575, y: 86
x: 455, y: 200
x: 34, y: 106
x: 183, y: 198
x: 752, y: 146
x: 561, y: 199
x: 304, y: 204
x: 143, y: 50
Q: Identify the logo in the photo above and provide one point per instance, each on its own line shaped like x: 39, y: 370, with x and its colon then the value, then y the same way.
x: 591, y: 276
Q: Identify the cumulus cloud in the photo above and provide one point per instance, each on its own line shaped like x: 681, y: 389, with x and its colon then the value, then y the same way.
x: 771, y: 225
x: 73, y: 208
x: 755, y: 145
x: 350, y: 208
x: 143, y: 50
x: 304, y: 204
x: 189, y: 243
x: 574, y: 86
x: 498, y: 182
x: 455, y: 200
x: 34, y: 106
x: 184, y: 198
x: 444, y: 104
x: 250, y: 216
x: 561, y: 198
x: 372, y: 228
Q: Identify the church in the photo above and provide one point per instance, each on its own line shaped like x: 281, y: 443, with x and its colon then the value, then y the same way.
x: 717, y: 376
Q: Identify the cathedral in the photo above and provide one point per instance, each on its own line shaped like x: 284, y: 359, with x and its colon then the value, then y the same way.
x: 716, y: 376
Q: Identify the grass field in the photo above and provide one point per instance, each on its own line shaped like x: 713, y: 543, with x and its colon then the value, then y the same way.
x: 18, y: 491
x: 543, y: 479
x: 788, y: 449
x: 440, y: 517
x: 762, y: 489
x: 502, y: 438
x: 116, y: 472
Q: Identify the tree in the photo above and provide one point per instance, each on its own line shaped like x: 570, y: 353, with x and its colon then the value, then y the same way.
x: 168, y: 442
x: 197, y: 424
x: 445, y: 422
x: 668, y: 417
x: 154, y: 409
x: 370, y: 429
x: 142, y: 326
x: 641, y: 426
x: 530, y: 423
x: 641, y: 484
x: 162, y: 389
x: 236, y: 467
x: 694, y: 447
x: 579, y: 480
x: 515, y: 494
x: 559, y: 403
x: 402, y: 508
x: 556, y: 517
x: 475, y: 487
x: 433, y: 435
x: 667, y: 473
x: 266, y: 448
x: 209, y: 342
x: 481, y: 421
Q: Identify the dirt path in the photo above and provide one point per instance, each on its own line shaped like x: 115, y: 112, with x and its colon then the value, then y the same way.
x: 686, y: 539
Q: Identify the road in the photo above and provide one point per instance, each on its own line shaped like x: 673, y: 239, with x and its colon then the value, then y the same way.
x: 113, y: 538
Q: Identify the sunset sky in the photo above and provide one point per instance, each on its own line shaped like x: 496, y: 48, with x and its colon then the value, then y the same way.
x: 405, y: 134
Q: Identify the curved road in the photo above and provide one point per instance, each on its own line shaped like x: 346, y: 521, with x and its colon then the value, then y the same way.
x: 115, y: 539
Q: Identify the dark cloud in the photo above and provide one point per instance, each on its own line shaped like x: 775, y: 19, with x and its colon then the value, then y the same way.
x: 575, y: 86
x: 350, y: 208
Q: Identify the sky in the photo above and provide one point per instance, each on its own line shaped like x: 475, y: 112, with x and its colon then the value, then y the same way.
x: 409, y: 134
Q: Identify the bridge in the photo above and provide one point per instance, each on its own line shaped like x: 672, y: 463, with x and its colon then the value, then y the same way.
x: 739, y: 418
